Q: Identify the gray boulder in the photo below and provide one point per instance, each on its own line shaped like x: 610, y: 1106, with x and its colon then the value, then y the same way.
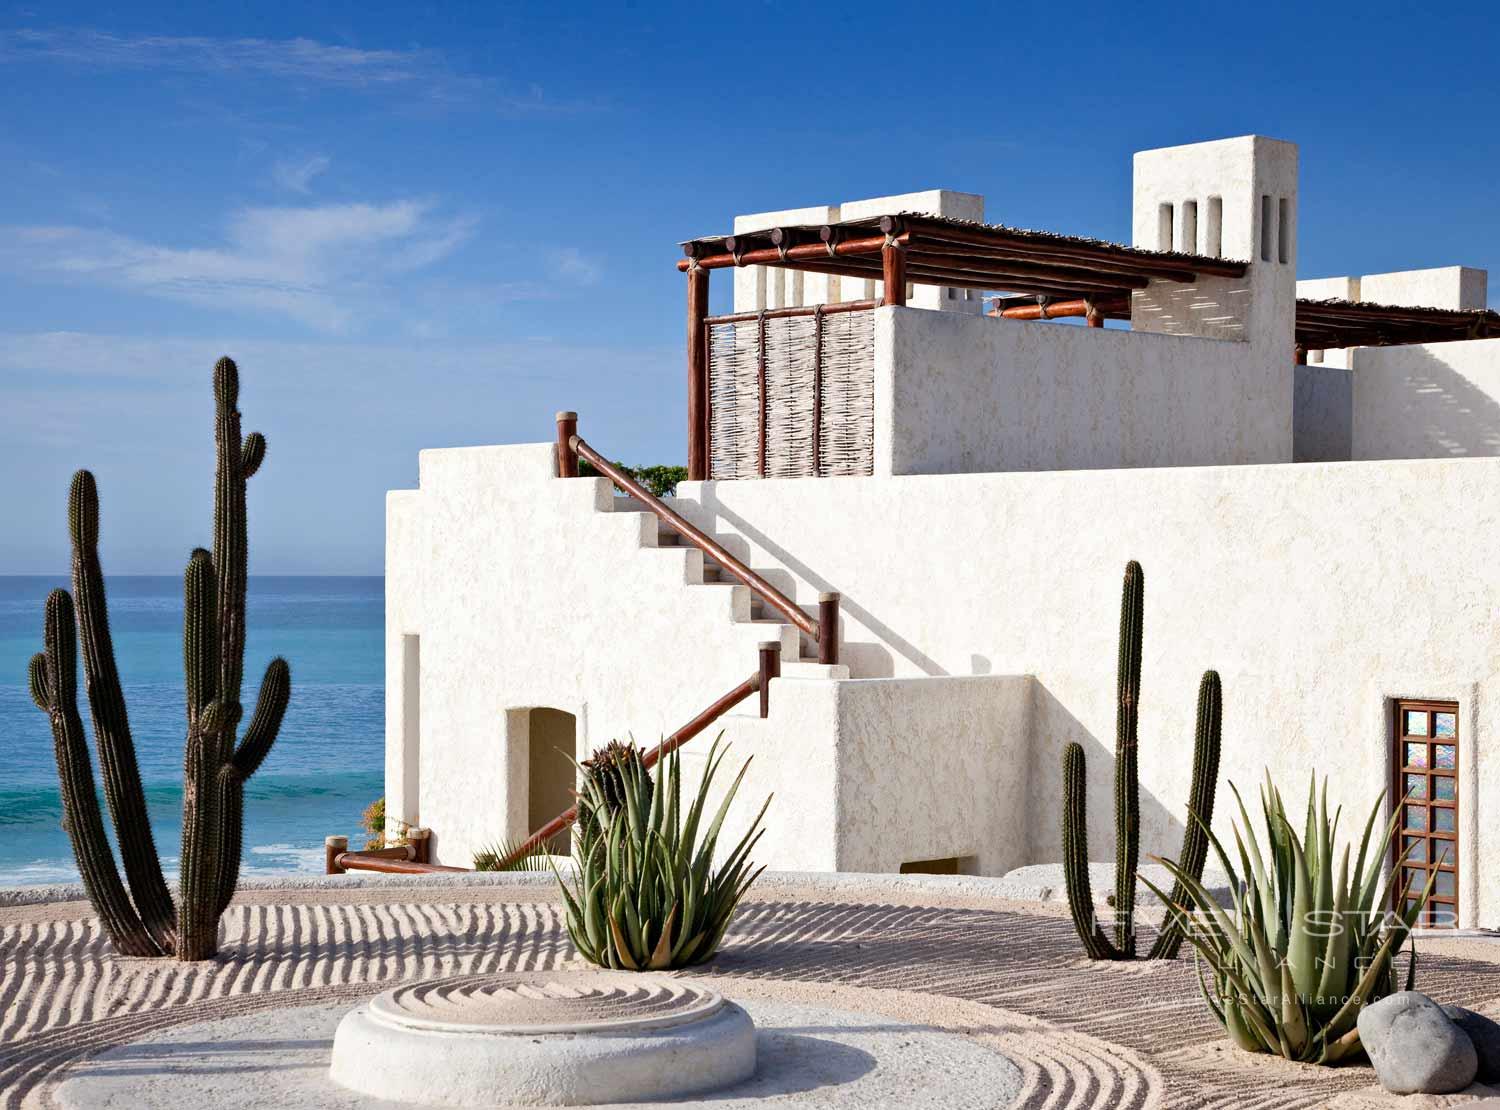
x: 1415, y: 1048
x: 1485, y: 1033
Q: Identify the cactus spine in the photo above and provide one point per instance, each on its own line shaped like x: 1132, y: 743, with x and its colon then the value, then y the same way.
x: 144, y: 921
x: 1127, y: 799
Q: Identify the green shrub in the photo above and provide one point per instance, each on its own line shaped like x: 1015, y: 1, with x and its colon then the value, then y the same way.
x: 1307, y: 944
x: 374, y: 821
x: 660, y: 480
x: 646, y: 895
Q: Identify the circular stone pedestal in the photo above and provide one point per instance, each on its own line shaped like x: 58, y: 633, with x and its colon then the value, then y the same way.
x: 544, y: 1038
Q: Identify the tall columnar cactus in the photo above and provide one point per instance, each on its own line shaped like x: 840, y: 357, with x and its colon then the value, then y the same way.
x: 1200, y: 812
x: 144, y: 921
x: 1127, y: 799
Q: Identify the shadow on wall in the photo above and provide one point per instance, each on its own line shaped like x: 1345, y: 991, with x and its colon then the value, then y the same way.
x: 865, y: 659
x: 1054, y: 727
x: 1437, y: 412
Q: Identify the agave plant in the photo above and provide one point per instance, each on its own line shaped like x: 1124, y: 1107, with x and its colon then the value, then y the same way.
x: 1306, y: 944
x: 646, y: 895
x: 513, y: 855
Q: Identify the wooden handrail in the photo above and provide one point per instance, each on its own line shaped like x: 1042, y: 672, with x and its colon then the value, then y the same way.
x: 703, y: 542
x: 371, y: 861
x: 784, y: 313
x: 755, y: 682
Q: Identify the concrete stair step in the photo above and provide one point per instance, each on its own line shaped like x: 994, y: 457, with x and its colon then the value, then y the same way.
x: 804, y: 668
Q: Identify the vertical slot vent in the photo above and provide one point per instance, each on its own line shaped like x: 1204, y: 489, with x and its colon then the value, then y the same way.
x: 1189, y: 227
x: 1164, y: 227
x: 1283, y: 230
x: 1265, y: 227
x: 1213, y: 237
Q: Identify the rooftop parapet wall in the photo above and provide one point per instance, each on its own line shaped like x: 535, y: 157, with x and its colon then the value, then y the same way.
x: 959, y: 394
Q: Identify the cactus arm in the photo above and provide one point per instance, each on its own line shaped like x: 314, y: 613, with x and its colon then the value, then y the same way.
x: 252, y: 454
x: 270, y: 708
x: 1127, y: 781
x: 254, y: 746
x: 1075, y: 831
x: 41, y: 687
x: 56, y: 680
x: 118, y: 766
x: 200, y: 794
x: 1200, y: 811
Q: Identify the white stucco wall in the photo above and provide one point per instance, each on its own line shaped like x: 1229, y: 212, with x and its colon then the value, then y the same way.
x: 961, y: 394
x: 1433, y: 400
x: 1298, y: 583
x: 1293, y: 581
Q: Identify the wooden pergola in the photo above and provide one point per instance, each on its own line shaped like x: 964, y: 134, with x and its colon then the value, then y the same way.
x: 928, y: 250
x: 1046, y: 275
x: 1331, y: 324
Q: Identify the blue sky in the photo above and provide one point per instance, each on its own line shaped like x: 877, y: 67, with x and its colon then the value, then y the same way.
x: 435, y: 225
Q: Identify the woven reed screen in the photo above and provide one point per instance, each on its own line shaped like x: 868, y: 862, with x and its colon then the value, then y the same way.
x: 799, y: 370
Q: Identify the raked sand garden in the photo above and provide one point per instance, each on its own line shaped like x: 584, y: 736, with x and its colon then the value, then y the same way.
x: 958, y: 954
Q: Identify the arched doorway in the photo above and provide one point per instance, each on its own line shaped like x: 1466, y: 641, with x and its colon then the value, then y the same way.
x: 551, y: 742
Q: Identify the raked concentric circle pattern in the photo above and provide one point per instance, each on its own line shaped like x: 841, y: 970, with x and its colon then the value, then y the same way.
x: 548, y: 1003
x: 558, y: 1038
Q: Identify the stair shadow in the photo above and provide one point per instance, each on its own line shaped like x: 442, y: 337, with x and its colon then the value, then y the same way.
x: 866, y: 659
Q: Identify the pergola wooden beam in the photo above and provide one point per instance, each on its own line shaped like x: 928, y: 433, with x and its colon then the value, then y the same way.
x: 1331, y: 325
x: 955, y: 253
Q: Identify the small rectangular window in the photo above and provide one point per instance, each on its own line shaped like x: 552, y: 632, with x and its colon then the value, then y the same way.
x: 1164, y: 227
x: 1213, y: 238
x: 1283, y: 229
x: 1265, y: 227
x: 1424, y: 775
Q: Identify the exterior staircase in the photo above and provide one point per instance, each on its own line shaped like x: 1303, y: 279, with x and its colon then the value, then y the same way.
x: 798, y: 657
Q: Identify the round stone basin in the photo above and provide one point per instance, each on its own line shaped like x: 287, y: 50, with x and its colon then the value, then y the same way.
x: 579, y: 1038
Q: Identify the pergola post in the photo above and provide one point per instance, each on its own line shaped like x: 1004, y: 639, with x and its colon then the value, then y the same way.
x: 697, y: 366
x: 893, y: 265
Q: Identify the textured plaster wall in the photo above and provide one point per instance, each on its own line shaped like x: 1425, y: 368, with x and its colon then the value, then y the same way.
x: 525, y: 595
x: 1434, y: 400
x: 870, y: 774
x: 1322, y: 414
x: 961, y: 394
x: 1317, y: 590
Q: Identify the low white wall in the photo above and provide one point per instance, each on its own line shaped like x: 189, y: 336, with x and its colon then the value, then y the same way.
x: 868, y: 775
x: 1434, y: 400
x: 1317, y: 590
x: 963, y: 394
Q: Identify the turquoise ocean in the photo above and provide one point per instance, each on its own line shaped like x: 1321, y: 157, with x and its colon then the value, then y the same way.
x: 327, y: 764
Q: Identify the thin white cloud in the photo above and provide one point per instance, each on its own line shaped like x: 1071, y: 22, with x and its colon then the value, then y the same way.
x: 571, y: 264
x: 316, y: 264
x: 299, y: 59
x: 415, y: 73
x: 297, y: 176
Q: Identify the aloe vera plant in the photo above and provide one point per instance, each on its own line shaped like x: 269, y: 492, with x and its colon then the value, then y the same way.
x: 1307, y: 942
x: 646, y: 895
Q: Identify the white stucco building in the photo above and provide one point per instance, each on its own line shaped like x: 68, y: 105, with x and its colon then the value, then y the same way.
x: 1308, y: 471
